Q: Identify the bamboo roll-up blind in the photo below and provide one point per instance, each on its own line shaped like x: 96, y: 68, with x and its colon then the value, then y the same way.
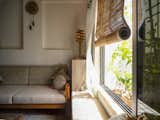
x: 111, y: 25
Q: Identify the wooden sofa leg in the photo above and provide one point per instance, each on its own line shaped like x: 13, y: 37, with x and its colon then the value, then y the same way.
x: 68, y: 110
x: 68, y: 105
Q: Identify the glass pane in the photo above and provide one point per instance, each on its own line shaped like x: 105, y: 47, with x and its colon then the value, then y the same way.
x: 149, y: 54
x: 118, y: 69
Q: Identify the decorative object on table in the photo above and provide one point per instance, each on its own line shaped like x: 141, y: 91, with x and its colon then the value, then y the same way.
x: 32, y: 8
x: 80, y: 35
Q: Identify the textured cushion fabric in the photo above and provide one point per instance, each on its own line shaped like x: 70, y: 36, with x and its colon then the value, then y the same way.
x: 59, y: 82
x: 38, y: 95
x: 39, y: 75
x: 7, y: 92
x: 27, y: 75
x: 14, y: 75
x: 60, y: 70
x: 59, y: 79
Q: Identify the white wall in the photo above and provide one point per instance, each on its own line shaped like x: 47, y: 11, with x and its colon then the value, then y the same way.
x: 33, y: 52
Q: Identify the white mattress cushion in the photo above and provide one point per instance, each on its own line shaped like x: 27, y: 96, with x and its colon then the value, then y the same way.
x: 38, y: 95
x: 7, y: 92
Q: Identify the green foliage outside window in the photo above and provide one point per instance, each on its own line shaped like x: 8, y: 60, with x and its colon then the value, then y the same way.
x: 121, y: 64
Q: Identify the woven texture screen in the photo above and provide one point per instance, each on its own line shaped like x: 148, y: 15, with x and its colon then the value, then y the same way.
x: 110, y: 21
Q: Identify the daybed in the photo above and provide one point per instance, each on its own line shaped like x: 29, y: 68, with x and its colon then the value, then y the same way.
x: 30, y: 87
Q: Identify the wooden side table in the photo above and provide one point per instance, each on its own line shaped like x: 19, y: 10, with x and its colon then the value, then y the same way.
x: 78, y: 74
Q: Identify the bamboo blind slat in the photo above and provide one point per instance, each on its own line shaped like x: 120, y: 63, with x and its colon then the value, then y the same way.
x: 110, y: 20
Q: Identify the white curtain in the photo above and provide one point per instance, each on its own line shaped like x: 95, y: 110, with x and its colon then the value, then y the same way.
x: 91, y: 75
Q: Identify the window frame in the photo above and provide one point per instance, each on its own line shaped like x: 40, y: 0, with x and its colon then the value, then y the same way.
x: 134, y: 110
x: 116, y: 98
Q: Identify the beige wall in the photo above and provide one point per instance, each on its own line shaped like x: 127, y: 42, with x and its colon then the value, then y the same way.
x: 10, y: 28
x: 67, y: 14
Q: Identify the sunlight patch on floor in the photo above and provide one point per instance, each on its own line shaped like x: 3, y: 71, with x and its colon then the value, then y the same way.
x: 85, y: 107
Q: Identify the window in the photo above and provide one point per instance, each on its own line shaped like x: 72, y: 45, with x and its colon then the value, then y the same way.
x: 148, y: 55
x: 117, y: 71
x: 116, y: 64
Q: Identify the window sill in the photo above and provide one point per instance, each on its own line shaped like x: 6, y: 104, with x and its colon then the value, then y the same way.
x: 143, y: 108
x: 113, y: 109
x: 108, y: 103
